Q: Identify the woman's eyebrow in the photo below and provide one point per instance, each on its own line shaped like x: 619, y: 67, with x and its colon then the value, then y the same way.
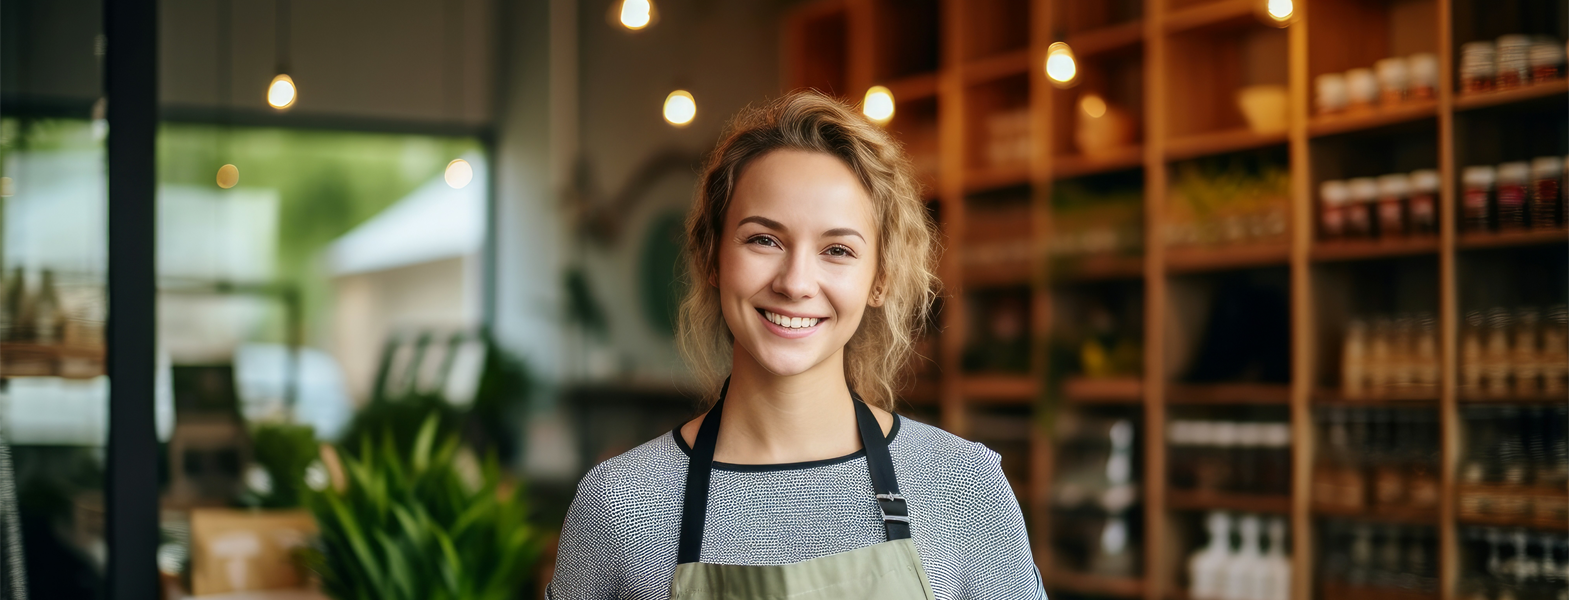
x: 843, y: 231
x: 778, y: 226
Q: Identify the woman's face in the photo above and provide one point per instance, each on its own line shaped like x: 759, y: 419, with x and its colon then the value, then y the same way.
x: 797, y: 260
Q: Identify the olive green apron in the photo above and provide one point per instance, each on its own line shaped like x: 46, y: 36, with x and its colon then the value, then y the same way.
x: 889, y: 570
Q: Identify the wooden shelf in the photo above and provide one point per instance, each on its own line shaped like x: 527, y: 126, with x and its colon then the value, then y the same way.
x: 1059, y: 580
x: 1107, y: 39
x: 71, y: 361
x: 997, y: 66
x: 1220, y: 142
x: 998, y: 274
x: 1214, y: 14
x: 1347, y: 250
x: 1505, y: 239
x: 1560, y: 399
x: 981, y: 179
x: 1000, y: 389
x: 1210, y: 500
x: 913, y: 88
x: 1229, y: 393
x: 1199, y: 259
x: 1372, y: 120
x: 1334, y: 397
x: 1513, y: 522
x: 1079, y: 165
x: 1381, y: 514
x: 1118, y: 390
x: 1096, y: 267
x: 1516, y: 96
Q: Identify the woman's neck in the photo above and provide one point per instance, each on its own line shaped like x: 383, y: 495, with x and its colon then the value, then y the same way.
x: 772, y: 419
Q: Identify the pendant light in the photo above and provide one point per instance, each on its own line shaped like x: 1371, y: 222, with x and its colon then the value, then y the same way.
x: 1061, y: 66
x: 458, y: 172
x: 878, y: 104
x: 636, y: 14
x: 282, y: 93
x: 680, y: 108
x: 1278, y: 13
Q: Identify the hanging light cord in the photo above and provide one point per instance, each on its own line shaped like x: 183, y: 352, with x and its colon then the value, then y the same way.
x: 282, y: 27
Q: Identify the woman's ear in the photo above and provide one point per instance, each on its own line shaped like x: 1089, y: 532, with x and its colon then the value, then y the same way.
x: 713, y: 281
x: 878, y: 296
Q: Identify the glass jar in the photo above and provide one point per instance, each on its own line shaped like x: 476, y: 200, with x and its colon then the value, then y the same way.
x: 1525, y: 350
x: 1477, y: 67
x: 1393, y: 191
x: 1510, y: 195
x: 1547, y: 196
x: 1394, y: 80
x: 1362, y: 89
x: 1547, y: 57
x: 1330, y: 93
x: 1422, y: 218
x: 1423, y: 68
x: 1333, y: 197
x: 1362, y: 192
x: 1476, y: 197
x: 1511, y: 62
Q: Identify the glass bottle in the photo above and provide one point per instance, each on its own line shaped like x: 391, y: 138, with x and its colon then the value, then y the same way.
x: 1510, y: 195
x: 1556, y: 357
x: 1385, y: 454
x: 1477, y: 67
x: 1423, y: 462
x: 1526, y: 364
x: 1380, y: 357
x: 1420, y: 205
x: 1425, y: 357
x: 1401, y: 364
x: 1476, y: 200
x: 1546, y: 58
x: 1512, y: 64
x: 1496, y: 354
x: 1354, y: 360
x: 1471, y: 380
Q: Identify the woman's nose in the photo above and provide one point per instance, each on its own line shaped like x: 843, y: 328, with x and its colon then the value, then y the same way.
x: 797, y: 277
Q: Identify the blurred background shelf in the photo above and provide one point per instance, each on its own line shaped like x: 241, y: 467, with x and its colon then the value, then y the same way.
x: 1373, y: 119
x: 1085, y: 390
x: 1001, y: 389
x: 1228, y: 393
x: 1528, y: 94
x: 1080, y: 165
x: 1092, y: 585
x: 1506, y: 239
x: 1220, y: 142
x: 1200, y: 259
x: 1248, y: 503
x: 1347, y: 250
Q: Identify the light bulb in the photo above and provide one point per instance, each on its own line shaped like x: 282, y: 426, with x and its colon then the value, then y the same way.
x: 1279, y: 10
x: 879, y: 104
x: 281, y: 93
x: 458, y: 174
x: 1093, y: 106
x: 228, y: 176
x: 680, y: 108
x: 1060, y: 64
x: 635, y: 14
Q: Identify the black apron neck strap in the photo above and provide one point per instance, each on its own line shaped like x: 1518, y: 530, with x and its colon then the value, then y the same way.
x: 694, y: 511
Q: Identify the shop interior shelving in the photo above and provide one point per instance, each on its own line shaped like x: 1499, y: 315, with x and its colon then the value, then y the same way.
x: 1176, y: 64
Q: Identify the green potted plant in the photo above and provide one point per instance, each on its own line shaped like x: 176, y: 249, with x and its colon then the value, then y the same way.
x: 423, y: 522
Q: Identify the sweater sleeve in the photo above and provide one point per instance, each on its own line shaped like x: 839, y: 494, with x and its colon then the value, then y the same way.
x: 997, y: 548
x: 589, y: 558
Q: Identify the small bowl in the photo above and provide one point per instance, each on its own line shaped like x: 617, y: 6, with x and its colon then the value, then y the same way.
x: 1264, y: 107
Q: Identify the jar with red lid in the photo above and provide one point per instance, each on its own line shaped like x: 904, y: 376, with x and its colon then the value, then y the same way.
x: 1393, y: 190
x: 1333, y: 197
x: 1547, y: 197
x: 1510, y: 195
x: 1477, y: 67
x: 1476, y: 197
x: 1364, y: 192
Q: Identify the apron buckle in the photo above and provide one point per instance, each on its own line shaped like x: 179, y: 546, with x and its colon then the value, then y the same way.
x: 892, y: 508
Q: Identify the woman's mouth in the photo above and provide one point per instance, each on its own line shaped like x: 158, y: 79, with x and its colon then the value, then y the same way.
x: 792, y: 327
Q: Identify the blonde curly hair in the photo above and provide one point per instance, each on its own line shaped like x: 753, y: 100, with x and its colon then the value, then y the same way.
x: 877, y: 353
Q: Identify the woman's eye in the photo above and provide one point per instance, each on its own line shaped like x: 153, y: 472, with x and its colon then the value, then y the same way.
x: 762, y: 241
x: 839, y: 251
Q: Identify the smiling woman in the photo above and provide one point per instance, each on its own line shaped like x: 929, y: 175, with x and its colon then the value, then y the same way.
x: 811, y: 260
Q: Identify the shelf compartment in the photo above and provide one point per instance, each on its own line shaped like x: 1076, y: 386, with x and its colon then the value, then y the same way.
x: 1107, y: 39
x: 1202, y: 500
x: 1113, y: 390
x: 1069, y: 166
x: 1541, y: 91
x: 1229, y: 393
x: 1507, y: 239
x: 1549, y: 399
x: 71, y: 361
x: 1093, y: 585
x: 909, y: 39
x: 994, y: 27
x: 1513, y: 522
x: 1000, y: 389
x: 982, y: 179
x: 1350, y: 250
x: 1372, y: 120
x: 817, y: 42
x: 1220, y: 142
x: 1380, y: 514
x: 1200, y: 259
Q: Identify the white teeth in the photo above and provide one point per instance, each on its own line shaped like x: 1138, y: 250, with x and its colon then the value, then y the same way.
x: 790, y: 322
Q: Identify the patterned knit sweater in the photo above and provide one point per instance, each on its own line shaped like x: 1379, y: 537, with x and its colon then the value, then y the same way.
x: 620, y: 537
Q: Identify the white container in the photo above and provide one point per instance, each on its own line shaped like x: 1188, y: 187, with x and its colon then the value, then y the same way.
x: 1330, y: 94
x: 1362, y: 88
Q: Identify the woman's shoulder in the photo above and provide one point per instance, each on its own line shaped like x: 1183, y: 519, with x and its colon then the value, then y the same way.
x: 651, y: 466
x: 929, y: 448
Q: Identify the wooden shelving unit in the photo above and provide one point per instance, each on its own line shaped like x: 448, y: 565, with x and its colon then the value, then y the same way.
x: 1177, y: 65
